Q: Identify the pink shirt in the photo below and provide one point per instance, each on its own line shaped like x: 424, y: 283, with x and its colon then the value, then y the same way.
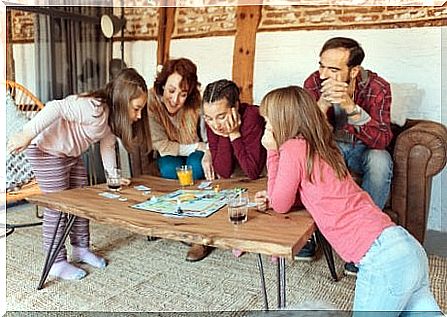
x: 344, y: 213
x: 67, y: 127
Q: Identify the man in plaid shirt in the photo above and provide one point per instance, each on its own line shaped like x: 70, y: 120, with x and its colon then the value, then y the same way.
x: 357, y: 104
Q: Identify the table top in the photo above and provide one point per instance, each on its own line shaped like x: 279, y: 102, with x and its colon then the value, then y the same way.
x: 266, y: 233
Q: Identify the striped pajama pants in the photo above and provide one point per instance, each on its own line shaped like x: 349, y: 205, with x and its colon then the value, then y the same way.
x: 55, y: 174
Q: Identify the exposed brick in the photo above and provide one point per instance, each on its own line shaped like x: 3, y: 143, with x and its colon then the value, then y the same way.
x: 437, y: 12
x: 355, y: 10
x: 142, y: 22
x: 367, y: 18
x: 348, y: 19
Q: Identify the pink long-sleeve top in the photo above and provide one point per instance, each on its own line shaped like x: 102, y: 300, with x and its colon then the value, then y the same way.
x: 344, y: 213
x: 246, y: 150
x: 67, y: 127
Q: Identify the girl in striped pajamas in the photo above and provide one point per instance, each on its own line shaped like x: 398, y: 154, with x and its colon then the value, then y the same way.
x: 55, y: 140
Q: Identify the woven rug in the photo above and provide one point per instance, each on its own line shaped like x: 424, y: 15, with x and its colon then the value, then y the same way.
x: 144, y: 276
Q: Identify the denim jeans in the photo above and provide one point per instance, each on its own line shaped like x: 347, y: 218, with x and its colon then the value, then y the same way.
x: 167, y: 165
x: 393, y: 278
x: 375, y: 167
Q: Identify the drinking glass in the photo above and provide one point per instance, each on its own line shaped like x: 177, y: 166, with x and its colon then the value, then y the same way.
x: 184, y: 174
x: 238, y: 208
x: 113, y: 177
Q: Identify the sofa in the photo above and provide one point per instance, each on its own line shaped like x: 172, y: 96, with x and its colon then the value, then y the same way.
x: 419, y: 152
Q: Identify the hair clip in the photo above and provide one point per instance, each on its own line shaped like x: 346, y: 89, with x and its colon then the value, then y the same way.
x: 212, y: 92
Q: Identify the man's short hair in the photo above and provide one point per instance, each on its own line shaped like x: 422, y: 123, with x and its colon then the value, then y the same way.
x: 356, y: 53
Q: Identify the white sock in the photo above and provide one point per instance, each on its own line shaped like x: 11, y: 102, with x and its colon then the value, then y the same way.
x: 67, y: 271
x: 84, y: 255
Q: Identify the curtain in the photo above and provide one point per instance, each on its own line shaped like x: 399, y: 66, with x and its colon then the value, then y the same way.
x: 72, y: 57
x: 71, y: 54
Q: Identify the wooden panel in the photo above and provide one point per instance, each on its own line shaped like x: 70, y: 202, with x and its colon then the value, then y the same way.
x: 265, y: 233
x: 10, y: 68
x: 247, y: 21
x: 166, y: 27
x: 25, y: 191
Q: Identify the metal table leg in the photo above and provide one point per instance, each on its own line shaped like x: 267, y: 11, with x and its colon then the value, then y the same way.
x: 281, y: 270
x: 264, y: 291
x: 327, y: 249
x: 51, y: 256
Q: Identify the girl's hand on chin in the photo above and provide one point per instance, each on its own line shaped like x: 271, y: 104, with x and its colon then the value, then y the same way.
x: 268, y: 141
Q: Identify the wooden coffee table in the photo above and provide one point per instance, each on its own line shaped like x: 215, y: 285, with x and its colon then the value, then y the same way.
x: 281, y: 235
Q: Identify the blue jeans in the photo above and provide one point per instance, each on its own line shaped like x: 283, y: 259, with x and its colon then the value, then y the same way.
x: 168, y: 164
x: 375, y: 167
x: 393, y: 277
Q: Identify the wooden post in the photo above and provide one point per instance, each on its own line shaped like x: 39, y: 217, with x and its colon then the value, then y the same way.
x: 247, y: 21
x: 165, y: 29
x: 10, y: 67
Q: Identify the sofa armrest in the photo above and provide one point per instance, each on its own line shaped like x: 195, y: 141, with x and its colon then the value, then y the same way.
x: 419, y: 154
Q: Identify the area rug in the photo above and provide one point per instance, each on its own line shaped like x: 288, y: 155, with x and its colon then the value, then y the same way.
x: 153, y: 276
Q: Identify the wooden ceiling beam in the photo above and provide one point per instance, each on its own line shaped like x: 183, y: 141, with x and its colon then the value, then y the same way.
x: 247, y: 22
x: 165, y: 30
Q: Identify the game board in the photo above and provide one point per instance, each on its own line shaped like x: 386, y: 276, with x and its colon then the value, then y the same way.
x: 189, y: 203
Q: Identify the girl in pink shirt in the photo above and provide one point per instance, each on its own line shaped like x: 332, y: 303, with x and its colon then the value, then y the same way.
x: 306, y: 168
x: 57, y: 136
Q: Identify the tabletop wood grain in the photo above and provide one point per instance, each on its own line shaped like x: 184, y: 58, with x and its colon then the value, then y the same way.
x: 266, y: 233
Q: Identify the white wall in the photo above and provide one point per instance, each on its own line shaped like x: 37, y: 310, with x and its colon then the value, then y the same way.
x: 408, y: 58
x: 213, y: 56
x: 141, y: 55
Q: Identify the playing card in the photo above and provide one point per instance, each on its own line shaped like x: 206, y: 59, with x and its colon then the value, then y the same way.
x: 109, y: 195
x: 142, y: 188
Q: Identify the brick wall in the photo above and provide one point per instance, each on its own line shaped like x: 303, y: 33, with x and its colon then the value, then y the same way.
x: 142, y: 22
x: 345, y: 17
x: 203, y: 21
x: 22, y: 26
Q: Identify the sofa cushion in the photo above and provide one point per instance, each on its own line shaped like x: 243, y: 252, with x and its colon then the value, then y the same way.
x: 18, y: 169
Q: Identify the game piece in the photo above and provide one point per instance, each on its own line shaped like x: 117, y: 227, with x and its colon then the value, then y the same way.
x: 217, y: 188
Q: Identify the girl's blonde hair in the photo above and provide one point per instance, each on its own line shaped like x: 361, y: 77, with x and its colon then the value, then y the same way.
x: 293, y: 112
x: 117, y: 95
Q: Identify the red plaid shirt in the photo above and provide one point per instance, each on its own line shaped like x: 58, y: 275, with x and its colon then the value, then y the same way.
x: 372, y: 94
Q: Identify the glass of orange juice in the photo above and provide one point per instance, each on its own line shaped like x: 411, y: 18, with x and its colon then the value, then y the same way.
x: 184, y: 174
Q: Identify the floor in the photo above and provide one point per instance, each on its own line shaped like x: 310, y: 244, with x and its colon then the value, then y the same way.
x: 436, y: 243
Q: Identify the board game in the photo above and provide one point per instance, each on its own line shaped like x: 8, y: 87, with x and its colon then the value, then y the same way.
x: 188, y: 203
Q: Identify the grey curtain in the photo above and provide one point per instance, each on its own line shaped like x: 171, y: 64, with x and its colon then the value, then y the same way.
x: 71, y: 54
x: 72, y: 57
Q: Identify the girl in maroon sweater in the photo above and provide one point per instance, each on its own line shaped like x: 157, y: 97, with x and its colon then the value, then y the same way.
x: 234, y: 131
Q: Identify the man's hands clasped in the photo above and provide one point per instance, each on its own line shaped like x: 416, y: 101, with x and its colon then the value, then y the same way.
x: 334, y: 91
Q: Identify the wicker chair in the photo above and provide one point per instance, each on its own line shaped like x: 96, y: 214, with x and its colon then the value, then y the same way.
x: 29, y: 105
